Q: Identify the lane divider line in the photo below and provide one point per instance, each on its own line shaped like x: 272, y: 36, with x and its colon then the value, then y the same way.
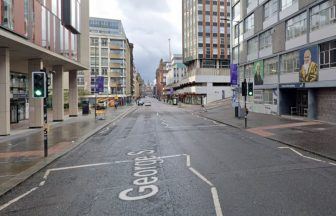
x: 201, y: 176
x: 216, y: 201
x: 17, y: 199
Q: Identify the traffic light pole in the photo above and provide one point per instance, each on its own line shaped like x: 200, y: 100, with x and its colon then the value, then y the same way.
x: 45, y: 110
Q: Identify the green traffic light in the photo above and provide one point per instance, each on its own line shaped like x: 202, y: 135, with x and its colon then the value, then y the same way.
x: 38, y: 92
x: 250, y: 93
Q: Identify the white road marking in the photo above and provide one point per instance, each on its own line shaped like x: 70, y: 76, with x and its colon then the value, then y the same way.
x: 73, y: 167
x: 216, y: 202
x: 188, y: 160
x: 170, y: 156
x: 42, y: 183
x: 298, y: 153
x: 164, y: 123
x: 199, y: 126
x: 16, y: 199
x: 201, y: 176
x: 124, y: 161
x: 334, y: 164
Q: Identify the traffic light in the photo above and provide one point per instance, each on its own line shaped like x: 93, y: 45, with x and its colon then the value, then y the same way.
x: 39, y: 84
x: 250, y: 89
x: 244, y: 88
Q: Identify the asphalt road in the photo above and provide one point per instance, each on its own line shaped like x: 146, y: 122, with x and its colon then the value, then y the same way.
x: 162, y: 160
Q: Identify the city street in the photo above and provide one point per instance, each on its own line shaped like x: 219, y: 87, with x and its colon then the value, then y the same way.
x: 164, y: 160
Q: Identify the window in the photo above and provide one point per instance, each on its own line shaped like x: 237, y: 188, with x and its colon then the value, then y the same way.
x: 94, y: 41
x: 236, y: 11
x: 104, y: 52
x: 104, y: 71
x: 252, y: 46
x: 104, y: 61
x: 80, y: 80
x: 235, y: 53
x: 328, y: 54
x: 94, y: 71
x: 248, y: 3
x: 268, y: 96
x: 94, y: 51
x: 296, y: 26
x: 270, y: 9
x: 290, y: 62
x: 104, y: 42
x: 287, y: 3
x: 7, y: 14
x: 270, y: 66
x: 249, y: 23
x: 322, y: 15
x: 265, y: 40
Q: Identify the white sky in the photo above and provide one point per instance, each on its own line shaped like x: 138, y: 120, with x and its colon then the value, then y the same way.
x: 148, y: 24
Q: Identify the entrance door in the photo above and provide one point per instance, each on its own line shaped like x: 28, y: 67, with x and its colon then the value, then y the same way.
x: 302, y: 102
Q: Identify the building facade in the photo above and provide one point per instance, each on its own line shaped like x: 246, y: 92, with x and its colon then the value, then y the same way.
x: 288, y: 49
x: 49, y: 35
x: 111, y: 60
x: 206, y: 51
x: 160, y: 76
x: 176, y: 71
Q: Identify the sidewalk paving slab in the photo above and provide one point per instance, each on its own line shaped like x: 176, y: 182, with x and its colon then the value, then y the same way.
x: 22, y: 155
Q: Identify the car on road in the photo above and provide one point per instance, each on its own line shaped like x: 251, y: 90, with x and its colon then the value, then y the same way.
x: 141, y: 103
x: 148, y: 103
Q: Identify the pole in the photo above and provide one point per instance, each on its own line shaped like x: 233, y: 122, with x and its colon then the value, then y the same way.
x: 45, y: 110
x: 95, y: 88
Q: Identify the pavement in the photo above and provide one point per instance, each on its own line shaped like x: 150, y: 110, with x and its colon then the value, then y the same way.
x: 21, y: 154
x: 164, y: 160
x: 313, y: 136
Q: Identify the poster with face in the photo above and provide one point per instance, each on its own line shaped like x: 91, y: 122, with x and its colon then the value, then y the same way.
x: 258, y: 70
x: 309, y: 69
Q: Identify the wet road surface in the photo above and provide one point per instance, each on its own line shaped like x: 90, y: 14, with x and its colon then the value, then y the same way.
x: 162, y: 160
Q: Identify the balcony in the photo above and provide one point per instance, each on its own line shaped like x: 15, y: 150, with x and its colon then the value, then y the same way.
x: 209, y: 72
x: 116, y: 46
x: 117, y: 56
x: 117, y: 65
x: 115, y: 74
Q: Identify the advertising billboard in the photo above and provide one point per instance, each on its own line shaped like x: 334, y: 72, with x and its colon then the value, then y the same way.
x: 309, y: 69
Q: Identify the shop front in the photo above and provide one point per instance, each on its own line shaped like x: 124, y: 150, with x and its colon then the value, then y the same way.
x: 19, y: 97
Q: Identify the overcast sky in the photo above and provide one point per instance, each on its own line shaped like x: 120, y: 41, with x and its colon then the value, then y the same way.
x: 148, y: 24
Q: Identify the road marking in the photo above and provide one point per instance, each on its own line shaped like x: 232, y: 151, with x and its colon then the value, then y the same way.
x: 164, y: 123
x: 188, y: 160
x: 199, y: 126
x: 42, y: 183
x: 201, y: 176
x: 16, y: 199
x: 73, y: 167
x: 216, y: 201
x: 298, y: 153
x: 334, y: 164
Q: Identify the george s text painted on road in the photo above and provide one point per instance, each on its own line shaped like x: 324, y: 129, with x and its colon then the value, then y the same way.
x: 145, y: 173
